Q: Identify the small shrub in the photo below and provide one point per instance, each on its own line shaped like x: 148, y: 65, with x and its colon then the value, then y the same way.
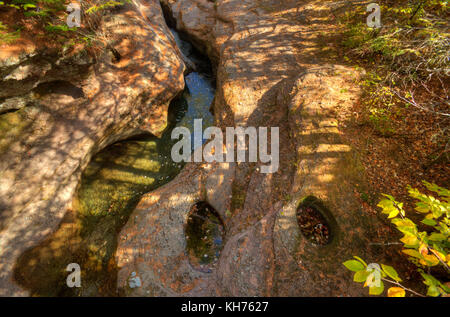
x: 427, y: 249
x: 6, y: 36
x: 410, y: 52
x: 51, y: 15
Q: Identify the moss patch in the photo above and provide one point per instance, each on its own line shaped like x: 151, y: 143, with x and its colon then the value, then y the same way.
x: 12, y: 125
x: 110, y: 188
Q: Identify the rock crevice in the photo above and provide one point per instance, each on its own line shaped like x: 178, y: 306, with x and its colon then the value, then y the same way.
x: 270, y: 73
x: 85, y: 107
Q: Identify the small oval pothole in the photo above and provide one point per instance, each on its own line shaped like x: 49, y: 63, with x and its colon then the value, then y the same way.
x: 204, y: 236
x: 312, y: 222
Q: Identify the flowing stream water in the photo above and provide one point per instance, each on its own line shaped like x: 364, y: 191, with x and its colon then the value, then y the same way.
x: 110, y: 188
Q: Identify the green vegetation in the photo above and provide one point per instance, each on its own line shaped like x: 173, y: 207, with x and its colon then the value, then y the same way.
x: 429, y: 249
x: 110, y: 188
x: 407, y: 58
x: 12, y: 125
x: 105, y: 5
x: 51, y: 16
x: 8, y: 37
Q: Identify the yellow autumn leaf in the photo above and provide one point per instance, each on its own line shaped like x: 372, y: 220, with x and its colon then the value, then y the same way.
x: 409, y: 240
x: 423, y: 249
x: 438, y: 254
x: 429, y: 260
x: 396, y: 292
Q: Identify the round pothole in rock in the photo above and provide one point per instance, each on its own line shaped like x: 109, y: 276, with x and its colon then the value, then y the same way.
x: 204, y: 236
x: 312, y: 223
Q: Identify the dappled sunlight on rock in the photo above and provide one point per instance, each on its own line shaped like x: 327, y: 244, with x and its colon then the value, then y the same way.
x: 44, y: 162
x: 88, y: 176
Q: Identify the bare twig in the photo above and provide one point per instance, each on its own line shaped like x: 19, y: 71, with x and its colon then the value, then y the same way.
x: 400, y: 285
x: 414, y: 103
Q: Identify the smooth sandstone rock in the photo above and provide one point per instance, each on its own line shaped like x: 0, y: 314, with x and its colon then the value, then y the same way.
x: 270, y: 72
x: 75, y: 109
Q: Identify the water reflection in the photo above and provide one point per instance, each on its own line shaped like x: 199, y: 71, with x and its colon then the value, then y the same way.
x: 110, y: 188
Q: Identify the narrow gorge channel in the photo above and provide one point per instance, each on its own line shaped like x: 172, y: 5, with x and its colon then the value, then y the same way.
x: 111, y: 186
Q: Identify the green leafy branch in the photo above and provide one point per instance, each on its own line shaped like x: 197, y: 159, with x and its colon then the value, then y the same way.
x: 365, y: 274
x: 426, y: 249
x: 106, y: 5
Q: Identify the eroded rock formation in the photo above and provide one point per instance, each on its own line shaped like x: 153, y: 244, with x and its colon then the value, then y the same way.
x: 71, y: 107
x: 270, y: 72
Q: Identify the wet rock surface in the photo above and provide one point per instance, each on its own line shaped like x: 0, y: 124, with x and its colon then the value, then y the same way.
x: 46, y: 145
x: 204, y: 236
x: 110, y: 187
x: 269, y: 73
